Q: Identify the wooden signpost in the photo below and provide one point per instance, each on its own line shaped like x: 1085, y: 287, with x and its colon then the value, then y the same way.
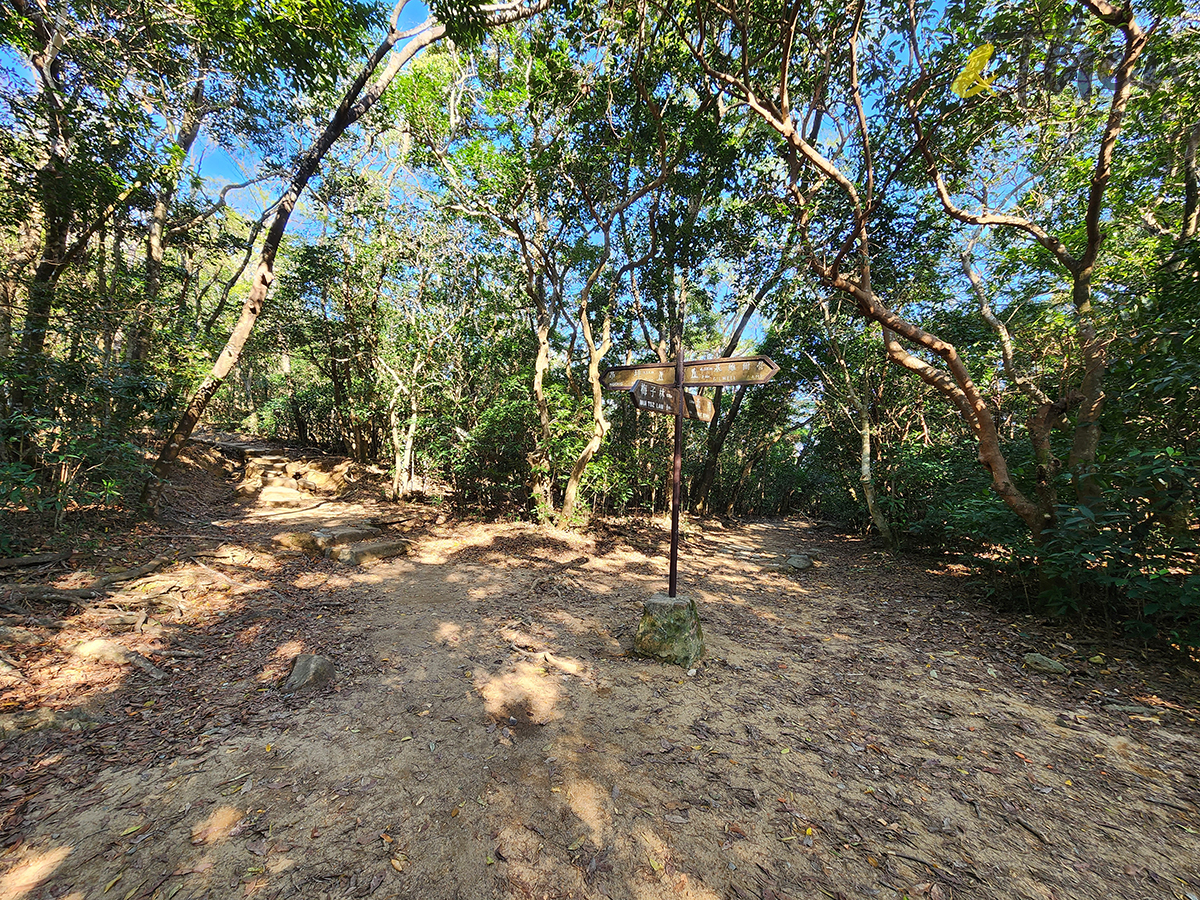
x: 727, y: 371
x: 660, y: 388
x: 656, y: 398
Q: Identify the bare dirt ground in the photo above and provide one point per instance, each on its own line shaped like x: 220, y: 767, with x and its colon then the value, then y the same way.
x: 863, y: 728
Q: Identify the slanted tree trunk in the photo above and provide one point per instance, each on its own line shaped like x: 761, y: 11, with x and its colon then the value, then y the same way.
x: 719, y: 427
x: 908, y: 345
x: 356, y: 101
x: 718, y: 432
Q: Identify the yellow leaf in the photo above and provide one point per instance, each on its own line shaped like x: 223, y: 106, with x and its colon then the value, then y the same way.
x: 575, y: 845
x: 655, y: 864
x: 970, y: 80
x: 130, y: 830
x: 108, y: 887
x: 397, y: 865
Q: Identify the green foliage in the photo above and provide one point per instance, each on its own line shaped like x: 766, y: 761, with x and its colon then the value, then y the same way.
x: 306, y: 40
x: 1135, y: 557
x: 465, y: 20
x: 489, y: 466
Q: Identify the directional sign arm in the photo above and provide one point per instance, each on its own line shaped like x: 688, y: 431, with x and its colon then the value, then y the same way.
x: 656, y: 398
x: 727, y: 371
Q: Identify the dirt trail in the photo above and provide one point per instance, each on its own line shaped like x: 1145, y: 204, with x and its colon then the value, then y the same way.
x: 858, y: 729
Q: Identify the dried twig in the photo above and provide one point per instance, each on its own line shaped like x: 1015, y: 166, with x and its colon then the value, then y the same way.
x: 37, y: 559
x: 1031, y: 829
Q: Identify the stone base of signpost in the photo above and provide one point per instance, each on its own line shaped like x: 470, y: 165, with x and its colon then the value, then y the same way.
x: 670, y: 631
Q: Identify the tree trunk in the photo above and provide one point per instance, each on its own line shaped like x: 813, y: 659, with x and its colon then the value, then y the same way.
x: 600, y: 424
x: 867, y: 479
x: 397, y: 450
x: 355, y: 102
x: 299, y: 420
x: 408, y: 457
x: 751, y: 460
x: 718, y: 431
x: 540, y: 483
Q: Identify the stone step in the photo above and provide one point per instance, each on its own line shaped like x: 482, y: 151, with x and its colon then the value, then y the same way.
x: 367, y: 551
x: 328, y: 538
x: 282, y: 496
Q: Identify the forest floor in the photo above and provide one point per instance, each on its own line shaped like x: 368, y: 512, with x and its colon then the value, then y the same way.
x: 864, y: 728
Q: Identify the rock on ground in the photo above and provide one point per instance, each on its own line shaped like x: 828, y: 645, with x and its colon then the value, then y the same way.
x: 1045, y: 664
x: 799, y: 562
x: 297, y: 540
x: 336, y: 537
x: 365, y: 552
x: 309, y: 672
x: 670, y: 631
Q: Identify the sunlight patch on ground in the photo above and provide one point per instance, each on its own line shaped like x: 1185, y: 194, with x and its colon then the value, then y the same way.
x: 657, y: 857
x: 590, y: 805
x: 217, y: 826
x: 288, y: 650
x: 565, y: 664
x: 27, y: 876
x: 249, y: 635
x: 449, y: 633
x: 306, y: 580
x: 525, y: 693
x: 577, y: 624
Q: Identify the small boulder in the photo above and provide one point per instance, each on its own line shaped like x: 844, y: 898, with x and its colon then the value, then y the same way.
x: 283, y: 497
x: 281, y: 481
x: 799, y: 562
x: 367, y: 552
x: 670, y: 631
x: 309, y: 672
x: 347, y: 534
x: 1045, y: 664
x: 328, y: 475
x: 298, y: 540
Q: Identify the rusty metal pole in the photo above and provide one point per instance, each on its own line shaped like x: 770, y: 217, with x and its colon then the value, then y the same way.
x: 677, y: 471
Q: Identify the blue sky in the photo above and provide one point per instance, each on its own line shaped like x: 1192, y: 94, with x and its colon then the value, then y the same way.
x: 220, y: 167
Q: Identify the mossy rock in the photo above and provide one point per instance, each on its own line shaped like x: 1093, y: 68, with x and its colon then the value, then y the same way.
x: 670, y: 631
x: 298, y: 540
